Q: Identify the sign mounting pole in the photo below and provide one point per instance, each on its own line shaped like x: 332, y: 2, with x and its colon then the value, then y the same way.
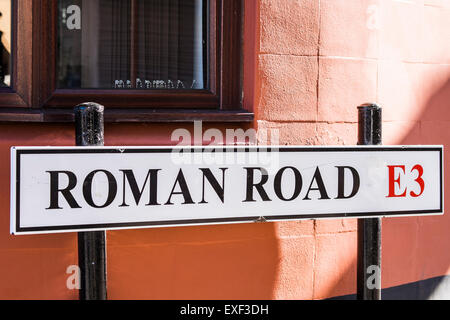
x: 369, y: 230
x: 89, y: 131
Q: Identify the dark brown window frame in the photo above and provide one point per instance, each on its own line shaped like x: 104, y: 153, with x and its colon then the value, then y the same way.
x: 33, y: 96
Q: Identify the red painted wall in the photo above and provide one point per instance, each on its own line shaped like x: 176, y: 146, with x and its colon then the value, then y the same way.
x: 308, y: 65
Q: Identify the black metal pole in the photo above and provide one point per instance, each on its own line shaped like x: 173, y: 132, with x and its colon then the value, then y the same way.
x: 369, y: 230
x: 89, y: 131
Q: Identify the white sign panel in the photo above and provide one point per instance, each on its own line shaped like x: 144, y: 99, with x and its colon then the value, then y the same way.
x: 71, y: 189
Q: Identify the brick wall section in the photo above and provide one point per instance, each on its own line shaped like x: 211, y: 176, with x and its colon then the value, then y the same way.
x: 318, y: 60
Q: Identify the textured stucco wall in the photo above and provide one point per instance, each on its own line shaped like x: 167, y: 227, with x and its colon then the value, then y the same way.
x: 318, y: 60
x: 308, y: 65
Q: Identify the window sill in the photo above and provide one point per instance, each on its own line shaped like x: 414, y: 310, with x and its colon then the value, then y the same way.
x: 128, y: 116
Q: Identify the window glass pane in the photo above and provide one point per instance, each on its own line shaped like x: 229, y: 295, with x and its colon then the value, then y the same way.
x: 132, y: 44
x: 5, y: 44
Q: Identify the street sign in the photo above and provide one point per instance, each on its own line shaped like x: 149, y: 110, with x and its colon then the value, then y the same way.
x: 73, y: 189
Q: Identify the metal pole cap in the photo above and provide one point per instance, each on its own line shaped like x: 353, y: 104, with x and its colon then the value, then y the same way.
x: 89, y: 107
x: 369, y: 106
x: 89, y: 124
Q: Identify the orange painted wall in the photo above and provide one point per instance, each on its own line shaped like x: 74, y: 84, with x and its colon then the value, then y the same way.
x: 318, y: 60
x: 308, y: 65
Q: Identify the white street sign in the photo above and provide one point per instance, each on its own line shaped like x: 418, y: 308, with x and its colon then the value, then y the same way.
x: 73, y: 189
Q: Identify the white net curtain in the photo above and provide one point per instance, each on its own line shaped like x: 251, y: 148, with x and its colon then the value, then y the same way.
x: 142, y: 44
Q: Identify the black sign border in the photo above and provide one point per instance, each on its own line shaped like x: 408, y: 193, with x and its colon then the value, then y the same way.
x: 136, y: 225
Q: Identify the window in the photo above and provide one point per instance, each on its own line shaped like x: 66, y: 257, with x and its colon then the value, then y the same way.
x: 145, y: 60
x: 143, y: 44
x: 5, y: 43
x: 15, y: 61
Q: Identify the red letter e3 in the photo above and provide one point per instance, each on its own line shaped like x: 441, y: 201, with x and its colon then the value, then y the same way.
x: 396, y: 181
